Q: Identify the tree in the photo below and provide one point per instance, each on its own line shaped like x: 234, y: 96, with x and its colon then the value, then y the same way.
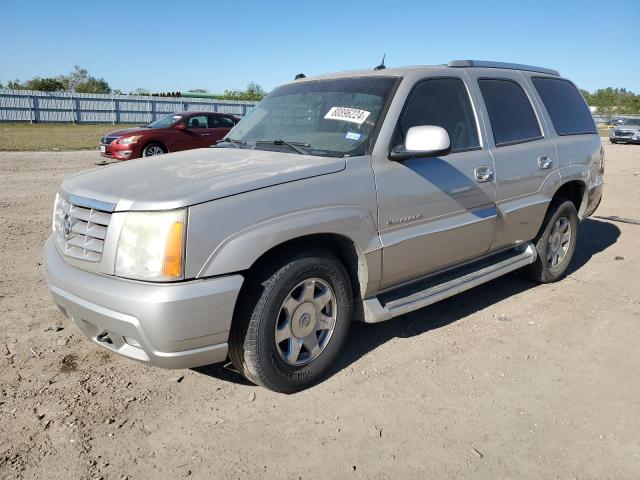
x: 80, y: 81
x: 140, y: 91
x: 46, y: 84
x: 253, y: 92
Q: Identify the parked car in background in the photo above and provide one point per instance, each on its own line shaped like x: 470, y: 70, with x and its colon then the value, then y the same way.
x: 626, y: 132
x: 175, y: 132
x: 362, y: 195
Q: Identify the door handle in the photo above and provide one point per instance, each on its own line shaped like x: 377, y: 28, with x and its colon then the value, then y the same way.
x: 205, y: 134
x: 483, y: 174
x: 544, y: 162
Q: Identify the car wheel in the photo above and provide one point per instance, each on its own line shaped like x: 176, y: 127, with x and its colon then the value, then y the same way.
x: 556, y: 243
x: 293, y: 319
x: 613, y: 141
x: 152, y: 150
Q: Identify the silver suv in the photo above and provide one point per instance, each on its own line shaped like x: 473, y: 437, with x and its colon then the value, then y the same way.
x: 361, y: 195
x: 627, y: 131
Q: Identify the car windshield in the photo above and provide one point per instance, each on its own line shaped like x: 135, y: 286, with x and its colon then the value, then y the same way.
x: 165, y: 122
x: 632, y: 122
x: 324, y: 117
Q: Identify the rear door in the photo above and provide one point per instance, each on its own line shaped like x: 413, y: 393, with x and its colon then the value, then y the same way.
x: 197, y: 134
x: 524, y: 155
x: 573, y: 130
x: 219, y: 126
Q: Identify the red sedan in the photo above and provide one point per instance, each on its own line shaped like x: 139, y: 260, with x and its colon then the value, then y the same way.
x: 178, y: 131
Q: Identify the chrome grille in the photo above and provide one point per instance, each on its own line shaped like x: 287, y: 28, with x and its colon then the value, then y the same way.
x: 80, y: 230
x: 106, y: 140
x: 623, y: 133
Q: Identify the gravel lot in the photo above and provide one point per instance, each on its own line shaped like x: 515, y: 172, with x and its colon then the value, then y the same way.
x: 509, y: 380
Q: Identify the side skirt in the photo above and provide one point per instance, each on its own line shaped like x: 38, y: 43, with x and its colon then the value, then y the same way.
x: 421, y: 293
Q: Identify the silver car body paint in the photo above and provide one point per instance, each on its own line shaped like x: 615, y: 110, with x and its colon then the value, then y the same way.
x: 406, y: 220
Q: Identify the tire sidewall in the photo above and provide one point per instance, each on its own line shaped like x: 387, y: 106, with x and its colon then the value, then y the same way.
x: 566, y: 209
x: 289, y: 378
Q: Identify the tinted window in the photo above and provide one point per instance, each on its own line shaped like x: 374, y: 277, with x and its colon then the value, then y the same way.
x: 220, y: 122
x: 569, y: 114
x: 199, y: 121
x: 510, y: 112
x: 443, y: 102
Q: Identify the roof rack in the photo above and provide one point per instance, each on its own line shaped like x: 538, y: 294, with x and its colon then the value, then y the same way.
x: 510, y: 66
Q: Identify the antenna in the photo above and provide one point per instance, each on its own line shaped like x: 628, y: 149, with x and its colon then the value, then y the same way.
x: 381, y: 66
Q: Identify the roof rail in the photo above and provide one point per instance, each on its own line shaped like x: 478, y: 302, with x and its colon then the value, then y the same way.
x: 510, y: 66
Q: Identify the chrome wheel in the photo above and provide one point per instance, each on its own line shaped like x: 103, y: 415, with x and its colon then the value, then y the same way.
x: 152, y: 150
x: 559, y: 242
x: 306, y: 321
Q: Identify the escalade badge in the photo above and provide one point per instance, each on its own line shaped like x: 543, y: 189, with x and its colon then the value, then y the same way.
x: 408, y: 218
x: 66, y: 227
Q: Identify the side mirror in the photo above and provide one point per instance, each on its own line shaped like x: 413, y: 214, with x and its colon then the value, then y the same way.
x: 180, y: 126
x: 423, y: 141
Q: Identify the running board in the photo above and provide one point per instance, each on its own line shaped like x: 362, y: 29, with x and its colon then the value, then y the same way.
x: 419, y: 294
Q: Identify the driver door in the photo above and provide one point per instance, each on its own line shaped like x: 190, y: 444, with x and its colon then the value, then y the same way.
x: 436, y: 212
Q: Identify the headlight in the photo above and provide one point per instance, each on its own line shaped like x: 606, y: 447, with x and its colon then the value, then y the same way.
x: 129, y: 140
x: 56, y: 202
x: 151, y: 246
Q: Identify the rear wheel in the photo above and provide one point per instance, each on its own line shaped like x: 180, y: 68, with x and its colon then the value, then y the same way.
x: 293, y: 319
x: 153, y: 149
x: 556, y: 243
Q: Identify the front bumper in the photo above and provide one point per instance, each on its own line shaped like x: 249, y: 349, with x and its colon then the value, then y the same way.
x: 179, y: 325
x: 619, y: 139
x: 116, y: 151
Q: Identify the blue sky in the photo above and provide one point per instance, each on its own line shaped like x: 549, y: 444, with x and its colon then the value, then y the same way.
x: 175, y: 45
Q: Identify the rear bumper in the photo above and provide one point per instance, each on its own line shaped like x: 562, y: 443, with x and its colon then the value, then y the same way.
x: 179, y: 325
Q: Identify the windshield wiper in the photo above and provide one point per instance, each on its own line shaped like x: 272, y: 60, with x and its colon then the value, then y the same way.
x: 232, y: 140
x: 292, y: 145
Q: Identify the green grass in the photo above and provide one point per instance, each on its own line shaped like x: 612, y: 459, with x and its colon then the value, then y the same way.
x: 26, y: 136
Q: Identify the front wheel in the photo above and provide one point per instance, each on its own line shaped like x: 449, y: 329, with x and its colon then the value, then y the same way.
x: 152, y: 150
x: 556, y: 243
x: 293, y: 319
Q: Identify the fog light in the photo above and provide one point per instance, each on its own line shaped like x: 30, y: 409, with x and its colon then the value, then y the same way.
x: 125, y: 153
x: 132, y: 341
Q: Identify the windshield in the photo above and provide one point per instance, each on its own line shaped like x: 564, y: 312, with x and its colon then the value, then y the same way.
x: 165, y: 122
x: 324, y: 117
x: 635, y: 122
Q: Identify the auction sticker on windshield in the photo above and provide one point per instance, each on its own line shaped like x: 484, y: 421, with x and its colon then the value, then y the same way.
x: 347, y: 114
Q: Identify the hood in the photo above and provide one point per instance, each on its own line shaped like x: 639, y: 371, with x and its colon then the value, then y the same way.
x: 125, y: 131
x: 629, y: 128
x: 194, y: 176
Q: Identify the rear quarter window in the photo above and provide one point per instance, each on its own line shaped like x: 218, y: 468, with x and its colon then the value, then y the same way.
x: 565, y: 106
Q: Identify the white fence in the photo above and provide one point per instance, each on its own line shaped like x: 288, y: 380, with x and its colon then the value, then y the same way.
x: 70, y: 107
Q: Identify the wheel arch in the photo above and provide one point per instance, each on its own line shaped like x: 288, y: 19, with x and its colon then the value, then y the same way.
x: 349, y: 233
x: 575, y: 191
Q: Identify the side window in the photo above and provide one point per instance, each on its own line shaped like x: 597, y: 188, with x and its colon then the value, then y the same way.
x: 443, y: 102
x: 566, y: 107
x: 510, y: 112
x: 220, y: 122
x: 198, y: 121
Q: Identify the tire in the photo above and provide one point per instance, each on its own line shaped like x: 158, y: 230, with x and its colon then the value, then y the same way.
x: 556, y: 243
x: 276, y: 303
x: 152, y: 149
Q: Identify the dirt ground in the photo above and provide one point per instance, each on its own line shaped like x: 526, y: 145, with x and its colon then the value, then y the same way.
x: 508, y: 380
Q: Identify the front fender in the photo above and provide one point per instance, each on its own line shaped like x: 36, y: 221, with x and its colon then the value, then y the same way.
x: 240, y: 250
